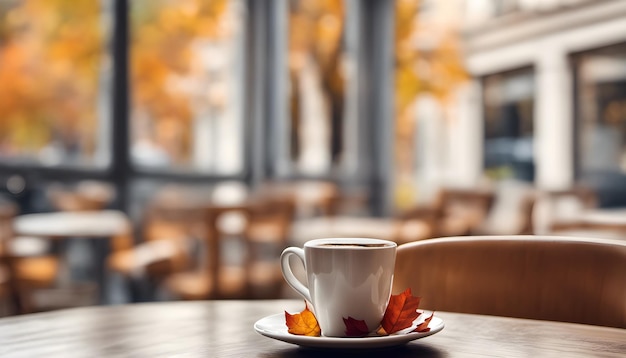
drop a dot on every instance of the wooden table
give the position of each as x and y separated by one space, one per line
97 226
225 329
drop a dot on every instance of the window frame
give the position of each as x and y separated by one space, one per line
261 107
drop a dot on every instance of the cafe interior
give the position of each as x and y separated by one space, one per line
158 151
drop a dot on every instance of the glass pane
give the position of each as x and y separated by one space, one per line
317 77
186 85
428 70
602 109
508 104
601 121
54 72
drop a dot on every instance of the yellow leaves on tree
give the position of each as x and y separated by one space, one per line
49 76
167 37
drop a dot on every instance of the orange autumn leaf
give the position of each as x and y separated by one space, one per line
303 323
401 312
423 327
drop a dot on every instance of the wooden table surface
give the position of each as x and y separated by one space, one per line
225 329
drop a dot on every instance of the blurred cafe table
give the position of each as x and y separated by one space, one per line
225 329
602 223
97 226
607 218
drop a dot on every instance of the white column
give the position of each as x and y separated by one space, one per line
429 146
465 137
553 119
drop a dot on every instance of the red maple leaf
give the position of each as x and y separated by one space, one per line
355 327
423 327
401 312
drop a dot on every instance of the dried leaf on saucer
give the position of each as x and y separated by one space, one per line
401 312
355 327
303 323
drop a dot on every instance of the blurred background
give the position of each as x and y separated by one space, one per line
163 150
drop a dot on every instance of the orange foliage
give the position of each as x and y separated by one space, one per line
51 55
303 323
427 61
164 33
401 312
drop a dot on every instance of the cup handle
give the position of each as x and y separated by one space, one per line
288 274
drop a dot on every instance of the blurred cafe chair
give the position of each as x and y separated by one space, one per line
417 223
511 212
454 212
214 276
239 266
575 212
7 289
266 235
312 197
24 265
463 210
558 210
580 280
174 230
83 196
167 230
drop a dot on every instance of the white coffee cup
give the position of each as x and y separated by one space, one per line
347 277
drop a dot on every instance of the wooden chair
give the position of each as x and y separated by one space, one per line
511 212
213 278
455 212
255 272
22 272
536 277
167 231
8 292
266 235
418 223
558 210
84 195
463 210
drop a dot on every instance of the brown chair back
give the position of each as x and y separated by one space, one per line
538 277
8 283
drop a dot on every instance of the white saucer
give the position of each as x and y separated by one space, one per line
274 327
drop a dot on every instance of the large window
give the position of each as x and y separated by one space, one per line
428 70
317 68
186 85
54 73
601 121
601 102
508 109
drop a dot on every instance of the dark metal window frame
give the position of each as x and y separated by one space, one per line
375 62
